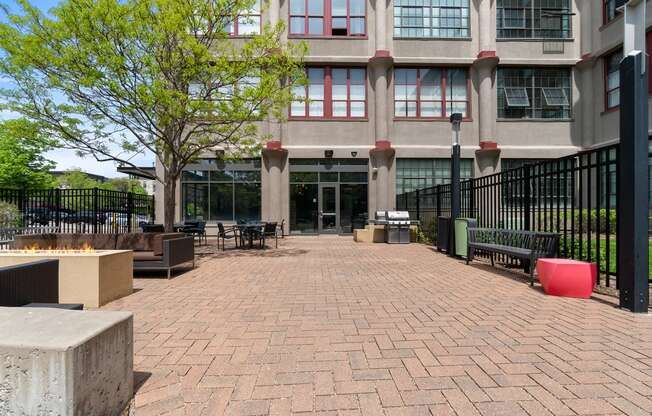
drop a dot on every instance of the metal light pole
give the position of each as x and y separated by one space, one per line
456 121
632 215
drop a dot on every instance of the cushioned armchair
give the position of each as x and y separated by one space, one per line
158 251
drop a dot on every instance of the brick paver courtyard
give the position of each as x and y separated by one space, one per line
324 325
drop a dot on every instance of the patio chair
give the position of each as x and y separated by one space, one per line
281 228
230 233
195 229
270 230
152 228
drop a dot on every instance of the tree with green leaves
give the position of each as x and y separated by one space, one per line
113 78
76 179
22 161
124 185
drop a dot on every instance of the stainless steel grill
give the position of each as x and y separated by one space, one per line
381 218
397 227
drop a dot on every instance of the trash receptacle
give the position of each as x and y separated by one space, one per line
461 235
443 233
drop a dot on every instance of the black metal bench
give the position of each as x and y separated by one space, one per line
528 246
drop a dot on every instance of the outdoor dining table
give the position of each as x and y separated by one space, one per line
249 229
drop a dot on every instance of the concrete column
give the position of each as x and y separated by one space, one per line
487 108
274 10
487 162
584 73
486 34
381 127
381 23
382 160
274 163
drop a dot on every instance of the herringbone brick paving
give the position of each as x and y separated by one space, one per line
323 325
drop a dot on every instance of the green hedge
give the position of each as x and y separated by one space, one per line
575 245
548 220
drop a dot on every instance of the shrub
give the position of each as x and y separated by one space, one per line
548 220
9 215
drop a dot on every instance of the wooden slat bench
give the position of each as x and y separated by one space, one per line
528 246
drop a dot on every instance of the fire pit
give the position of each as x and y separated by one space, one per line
88 276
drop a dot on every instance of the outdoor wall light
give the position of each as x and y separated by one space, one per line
354 154
328 154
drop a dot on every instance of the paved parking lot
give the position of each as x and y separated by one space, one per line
326 326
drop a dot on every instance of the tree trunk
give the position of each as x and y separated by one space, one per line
169 202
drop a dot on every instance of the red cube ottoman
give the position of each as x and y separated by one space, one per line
568 278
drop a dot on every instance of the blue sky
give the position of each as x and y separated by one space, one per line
67 159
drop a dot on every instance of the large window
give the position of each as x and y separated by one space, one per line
612 79
226 192
431 18
430 92
541 93
327 17
610 9
247 23
331 93
543 19
413 174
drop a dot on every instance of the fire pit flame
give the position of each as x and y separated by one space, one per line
85 248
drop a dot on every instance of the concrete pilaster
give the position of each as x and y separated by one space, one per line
486 101
487 162
486 26
382 185
273 191
381 23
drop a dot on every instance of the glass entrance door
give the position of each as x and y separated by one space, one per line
328 209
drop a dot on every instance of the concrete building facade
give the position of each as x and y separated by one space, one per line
534 79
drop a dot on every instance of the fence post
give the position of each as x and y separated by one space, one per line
526 198
130 210
633 182
471 198
57 205
438 201
418 204
95 208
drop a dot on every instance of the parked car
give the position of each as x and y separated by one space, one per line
86 217
38 216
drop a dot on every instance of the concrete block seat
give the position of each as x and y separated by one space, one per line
567 278
67 363
152 251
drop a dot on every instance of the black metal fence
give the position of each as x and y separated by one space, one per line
575 196
74 210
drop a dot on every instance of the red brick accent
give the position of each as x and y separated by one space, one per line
382 55
488 145
487 54
383 145
273 145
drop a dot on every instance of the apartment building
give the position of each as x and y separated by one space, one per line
534 79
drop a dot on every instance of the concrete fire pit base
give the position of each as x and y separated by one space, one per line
62 362
91 278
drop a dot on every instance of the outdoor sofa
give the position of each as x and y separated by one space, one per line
152 251
34 282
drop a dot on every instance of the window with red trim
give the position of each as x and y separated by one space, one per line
430 92
331 92
247 23
612 79
327 17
